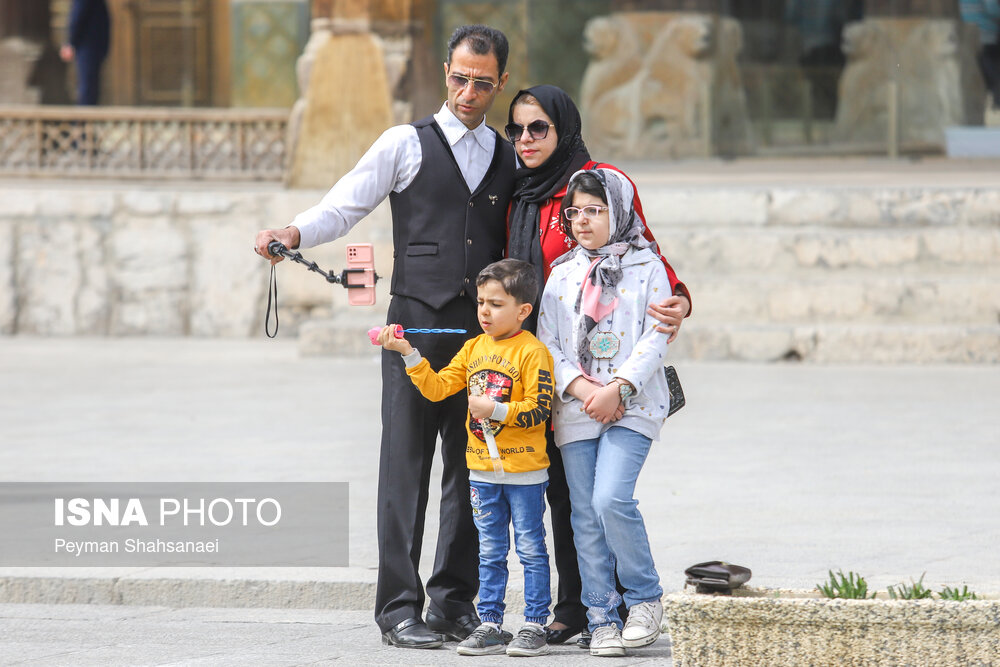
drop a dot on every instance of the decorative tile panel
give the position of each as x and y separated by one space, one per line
267 38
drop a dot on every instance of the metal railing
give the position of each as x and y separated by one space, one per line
141 142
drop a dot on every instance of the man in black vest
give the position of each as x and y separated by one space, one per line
449 178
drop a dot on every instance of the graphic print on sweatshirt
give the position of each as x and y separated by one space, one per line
498 387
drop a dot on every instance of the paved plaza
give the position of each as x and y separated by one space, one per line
790 469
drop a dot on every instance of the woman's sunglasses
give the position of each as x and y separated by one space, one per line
482 86
572 213
538 129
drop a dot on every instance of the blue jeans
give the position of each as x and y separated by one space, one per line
494 508
607 527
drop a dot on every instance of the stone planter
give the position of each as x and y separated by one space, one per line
767 627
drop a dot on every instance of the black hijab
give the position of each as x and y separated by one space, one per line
534 186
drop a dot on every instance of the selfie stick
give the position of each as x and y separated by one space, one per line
278 248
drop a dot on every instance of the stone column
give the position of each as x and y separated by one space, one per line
911 72
30 69
345 102
664 84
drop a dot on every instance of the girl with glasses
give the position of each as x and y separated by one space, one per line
610 399
544 126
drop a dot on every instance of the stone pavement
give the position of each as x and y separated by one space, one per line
102 636
789 469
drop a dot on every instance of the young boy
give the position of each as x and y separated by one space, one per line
509 376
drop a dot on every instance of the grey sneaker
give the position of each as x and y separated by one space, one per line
484 640
643 625
530 641
607 641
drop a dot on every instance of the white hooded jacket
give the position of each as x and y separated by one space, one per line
640 356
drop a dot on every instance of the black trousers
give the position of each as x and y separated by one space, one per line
569 609
88 76
410 427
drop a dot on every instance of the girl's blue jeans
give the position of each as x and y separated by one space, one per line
607 528
494 508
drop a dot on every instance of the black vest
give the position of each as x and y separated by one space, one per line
443 234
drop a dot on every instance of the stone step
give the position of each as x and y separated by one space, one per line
858 207
863 297
836 343
784 249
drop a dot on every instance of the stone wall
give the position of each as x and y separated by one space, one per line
823 274
835 274
146 260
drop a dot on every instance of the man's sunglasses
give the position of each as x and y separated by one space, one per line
459 82
538 129
572 213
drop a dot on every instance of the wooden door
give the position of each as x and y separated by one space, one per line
172 52
169 52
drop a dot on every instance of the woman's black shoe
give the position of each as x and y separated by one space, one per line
561 636
584 640
412 633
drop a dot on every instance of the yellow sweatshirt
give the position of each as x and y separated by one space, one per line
516 371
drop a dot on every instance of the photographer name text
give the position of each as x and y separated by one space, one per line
136 546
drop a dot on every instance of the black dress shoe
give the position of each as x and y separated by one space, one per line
584 640
454 630
412 633
561 636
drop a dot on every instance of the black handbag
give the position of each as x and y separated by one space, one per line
674 387
717 576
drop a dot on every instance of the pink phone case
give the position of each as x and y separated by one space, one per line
361 256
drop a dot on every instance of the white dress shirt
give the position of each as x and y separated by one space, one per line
390 165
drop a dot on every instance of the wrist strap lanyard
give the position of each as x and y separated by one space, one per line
272 288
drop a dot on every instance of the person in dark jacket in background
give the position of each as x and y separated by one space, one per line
89 39
985 14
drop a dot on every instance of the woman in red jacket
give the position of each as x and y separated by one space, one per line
544 126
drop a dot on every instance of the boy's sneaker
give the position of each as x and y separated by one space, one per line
643 625
484 640
530 641
607 641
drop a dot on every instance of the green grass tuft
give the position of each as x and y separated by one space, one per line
849 587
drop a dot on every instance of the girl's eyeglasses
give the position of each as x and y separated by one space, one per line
572 213
483 86
538 129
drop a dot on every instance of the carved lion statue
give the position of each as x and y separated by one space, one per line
657 82
607 89
863 98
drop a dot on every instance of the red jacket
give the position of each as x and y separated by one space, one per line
555 242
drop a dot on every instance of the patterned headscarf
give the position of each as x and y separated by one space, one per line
598 293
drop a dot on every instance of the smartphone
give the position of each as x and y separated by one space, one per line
361 284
